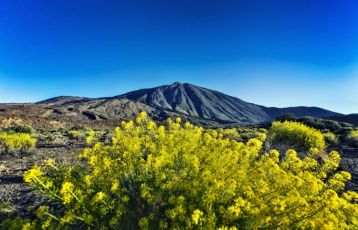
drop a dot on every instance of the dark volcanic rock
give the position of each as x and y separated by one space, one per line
199 102
195 101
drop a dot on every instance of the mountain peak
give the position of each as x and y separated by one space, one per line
178 99
195 101
177 83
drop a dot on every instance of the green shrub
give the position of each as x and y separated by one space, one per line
15 125
296 135
79 127
345 131
88 136
77 135
249 133
262 130
22 129
55 138
230 133
345 124
321 124
17 142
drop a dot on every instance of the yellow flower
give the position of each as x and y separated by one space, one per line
27 226
142 117
48 184
151 125
66 187
46 224
99 197
115 186
197 214
32 174
107 163
50 162
178 120
261 136
88 180
67 192
96 171
93 160
144 223
68 218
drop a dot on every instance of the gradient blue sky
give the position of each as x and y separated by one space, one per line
269 52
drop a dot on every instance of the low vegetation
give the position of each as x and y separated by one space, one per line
324 124
330 138
7 123
352 138
181 176
16 142
337 134
296 135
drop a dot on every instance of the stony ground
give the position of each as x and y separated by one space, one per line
12 167
349 162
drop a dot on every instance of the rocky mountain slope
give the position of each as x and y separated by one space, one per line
195 101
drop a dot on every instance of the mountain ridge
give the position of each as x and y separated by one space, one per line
195 103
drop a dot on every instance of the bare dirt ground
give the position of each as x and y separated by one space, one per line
12 167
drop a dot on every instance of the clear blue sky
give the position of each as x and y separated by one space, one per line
269 52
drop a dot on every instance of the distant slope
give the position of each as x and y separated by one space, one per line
300 111
350 118
196 104
60 100
96 109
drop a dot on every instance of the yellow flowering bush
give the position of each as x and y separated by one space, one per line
353 133
77 134
352 138
16 142
297 135
181 176
330 138
89 136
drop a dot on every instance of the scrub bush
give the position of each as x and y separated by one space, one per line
352 138
296 135
77 135
16 142
6 123
22 129
330 138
